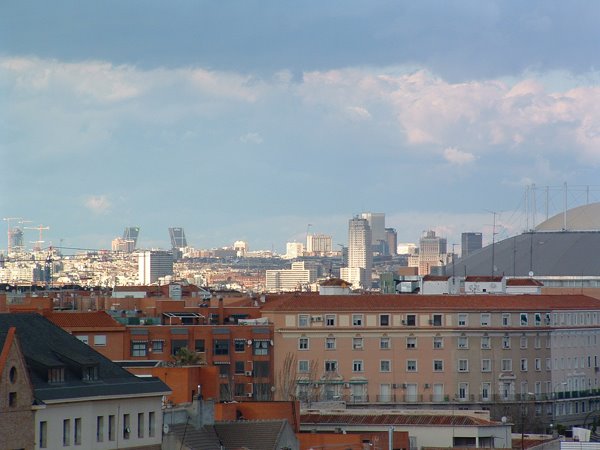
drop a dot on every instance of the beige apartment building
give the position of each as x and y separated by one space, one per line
510 354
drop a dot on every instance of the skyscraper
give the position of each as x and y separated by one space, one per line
470 242
391 237
318 243
154 264
432 252
15 237
377 224
131 234
360 254
178 239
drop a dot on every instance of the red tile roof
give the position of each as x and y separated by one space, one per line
393 419
483 279
71 320
490 302
523 282
436 277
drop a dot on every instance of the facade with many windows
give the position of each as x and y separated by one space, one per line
496 352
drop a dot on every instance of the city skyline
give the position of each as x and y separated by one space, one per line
250 120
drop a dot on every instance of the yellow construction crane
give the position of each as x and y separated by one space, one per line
40 241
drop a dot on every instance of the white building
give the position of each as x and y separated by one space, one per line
360 254
432 252
295 279
294 249
318 244
241 247
154 264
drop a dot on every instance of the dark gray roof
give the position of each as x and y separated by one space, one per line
253 435
565 253
46 346
204 438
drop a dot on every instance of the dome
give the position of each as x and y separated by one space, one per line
581 218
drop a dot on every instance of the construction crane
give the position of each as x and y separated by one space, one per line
8 220
40 241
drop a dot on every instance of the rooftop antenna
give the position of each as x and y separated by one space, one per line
565 212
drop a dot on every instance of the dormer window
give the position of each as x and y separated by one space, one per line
90 373
56 375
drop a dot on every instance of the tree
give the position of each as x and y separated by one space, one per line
186 357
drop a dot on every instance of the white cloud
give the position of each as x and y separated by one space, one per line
358 113
98 204
455 156
251 138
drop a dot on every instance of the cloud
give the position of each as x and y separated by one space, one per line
358 113
455 156
98 204
251 138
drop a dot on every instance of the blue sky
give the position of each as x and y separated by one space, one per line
251 119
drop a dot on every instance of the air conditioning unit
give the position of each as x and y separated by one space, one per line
317 318
250 394
430 322
248 373
346 385
403 385
403 322
426 385
395 386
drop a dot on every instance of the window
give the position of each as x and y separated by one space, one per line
66 432
43 442
357 365
330 366
303 343
506 342
303 320
221 347
523 365
239 367
100 340
462 319
140 425
385 365
538 364
463 391
485 391
411 365
486 343
330 320
260 347
111 428
357 320
523 342
357 343
330 343
12 399
56 375
463 365
537 342
438 342
437 320
239 345
90 373
538 319
486 365
485 319
505 319
506 365
411 342
524 319
158 346
303 366
77 434
83 339
239 389
411 320
151 424
177 344
438 365
384 343
138 348
384 320
223 370
463 342
126 426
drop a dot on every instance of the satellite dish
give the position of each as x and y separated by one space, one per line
530 273
165 428
249 341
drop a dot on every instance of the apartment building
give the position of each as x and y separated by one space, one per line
469 351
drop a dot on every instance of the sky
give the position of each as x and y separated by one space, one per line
253 119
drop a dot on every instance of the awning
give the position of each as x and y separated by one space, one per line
139 342
158 340
262 340
217 363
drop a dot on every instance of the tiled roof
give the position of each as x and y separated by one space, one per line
99 319
45 345
251 434
436 277
393 419
204 438
412 303
335 282
523 282
483 279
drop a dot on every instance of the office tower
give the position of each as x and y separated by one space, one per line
360 254
432 252
178 239
377 225
391 237
15 238
131 234
122 245
154 264
294 250
241 248
318 243
298 278
470 242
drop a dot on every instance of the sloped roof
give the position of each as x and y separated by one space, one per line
581 218
567 253
45 346
98 320
367 419
251 434
412 303
523 282
204 438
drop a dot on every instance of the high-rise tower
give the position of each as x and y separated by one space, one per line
360 254
470 242
131 234
178 239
